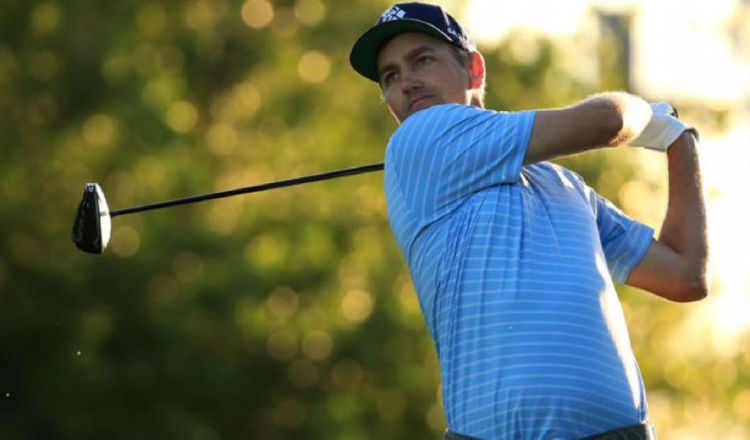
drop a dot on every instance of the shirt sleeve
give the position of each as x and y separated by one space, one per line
447 153
624 240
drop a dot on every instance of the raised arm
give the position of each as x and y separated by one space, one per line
604 120
674 267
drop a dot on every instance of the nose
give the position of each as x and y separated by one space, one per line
410 81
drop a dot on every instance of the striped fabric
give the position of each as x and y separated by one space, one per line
514 268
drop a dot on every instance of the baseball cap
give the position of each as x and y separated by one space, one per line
406 17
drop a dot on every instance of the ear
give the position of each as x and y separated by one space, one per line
476 70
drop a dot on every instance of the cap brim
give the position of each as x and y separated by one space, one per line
364 54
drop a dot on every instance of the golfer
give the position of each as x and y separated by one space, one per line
514 259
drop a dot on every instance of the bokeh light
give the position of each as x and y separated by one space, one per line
222 139
356 306
309 12
314 67
182 117
317 345
202 15
125 241
46 18
267 251
99 130
257 13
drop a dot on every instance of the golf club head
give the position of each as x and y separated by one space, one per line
93 225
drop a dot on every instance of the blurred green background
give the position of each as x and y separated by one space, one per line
287 314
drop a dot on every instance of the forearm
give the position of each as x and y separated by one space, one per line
604 120
684 226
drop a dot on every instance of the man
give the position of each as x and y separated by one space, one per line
514 258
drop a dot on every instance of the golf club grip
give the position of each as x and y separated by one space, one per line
250 189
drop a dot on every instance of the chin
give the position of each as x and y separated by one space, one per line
420 106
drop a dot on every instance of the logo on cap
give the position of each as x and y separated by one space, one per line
401 18
392 13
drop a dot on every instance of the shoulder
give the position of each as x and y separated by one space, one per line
426 126
445 120
438 115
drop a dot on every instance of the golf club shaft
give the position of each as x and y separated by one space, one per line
251 189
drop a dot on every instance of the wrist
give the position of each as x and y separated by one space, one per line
686 143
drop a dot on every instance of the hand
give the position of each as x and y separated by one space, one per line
663 128
665 108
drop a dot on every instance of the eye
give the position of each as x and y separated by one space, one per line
388 77
424 59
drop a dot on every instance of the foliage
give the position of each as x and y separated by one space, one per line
278 315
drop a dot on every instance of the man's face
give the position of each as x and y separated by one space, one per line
417 71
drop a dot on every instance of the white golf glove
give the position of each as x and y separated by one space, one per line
663 128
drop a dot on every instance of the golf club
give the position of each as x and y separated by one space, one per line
93 225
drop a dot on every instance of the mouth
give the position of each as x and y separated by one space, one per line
420 102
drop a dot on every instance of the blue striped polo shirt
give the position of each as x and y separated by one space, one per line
514 268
